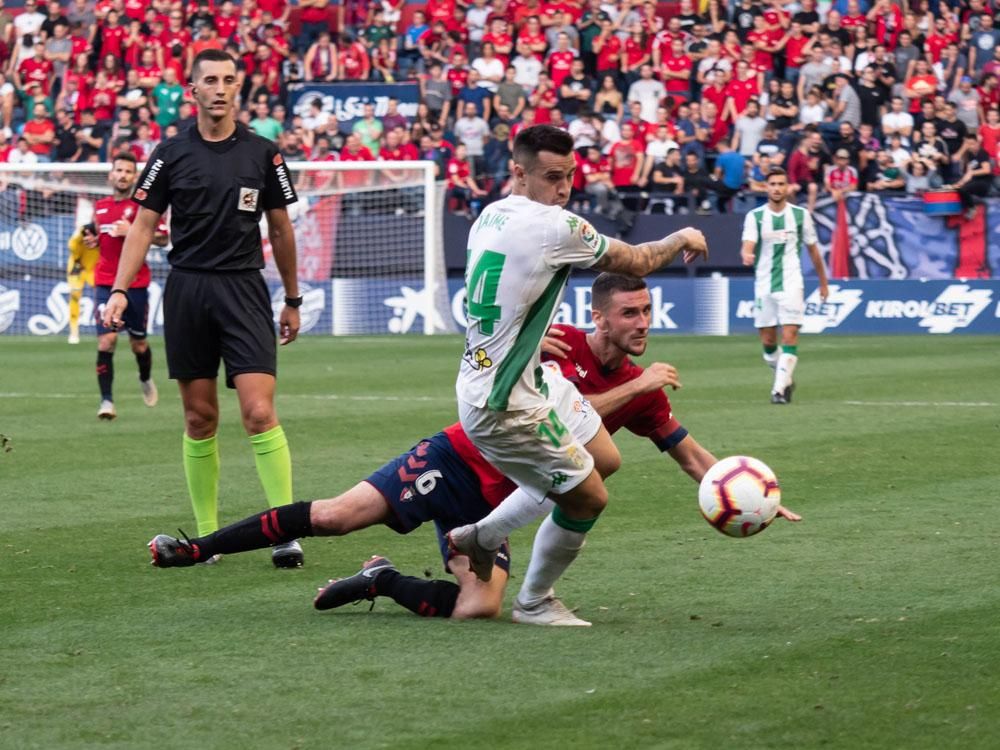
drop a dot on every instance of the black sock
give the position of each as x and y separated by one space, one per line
145 362
273 526
425 598
105 373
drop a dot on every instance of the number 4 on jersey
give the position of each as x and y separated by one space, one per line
483 284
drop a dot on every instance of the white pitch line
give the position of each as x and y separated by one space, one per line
922 403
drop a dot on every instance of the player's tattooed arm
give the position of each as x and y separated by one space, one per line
642 260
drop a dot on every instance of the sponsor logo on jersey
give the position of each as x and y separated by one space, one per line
820 315
151 175
276 161
590 236
140 194
580 371
478 359
313 304
248 199
957 306
29 242
284 182
10 303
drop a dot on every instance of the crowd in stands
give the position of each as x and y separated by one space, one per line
673 106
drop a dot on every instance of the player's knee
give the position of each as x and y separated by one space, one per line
200 422
258 417
327 520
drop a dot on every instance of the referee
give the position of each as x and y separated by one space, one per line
217 177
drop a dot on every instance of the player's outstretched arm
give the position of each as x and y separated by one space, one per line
137 242
642 260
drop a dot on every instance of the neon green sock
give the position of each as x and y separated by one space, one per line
274 465
770 348
792 349
201 468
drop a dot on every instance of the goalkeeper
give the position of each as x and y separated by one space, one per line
83 255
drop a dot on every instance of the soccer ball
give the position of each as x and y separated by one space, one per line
739 496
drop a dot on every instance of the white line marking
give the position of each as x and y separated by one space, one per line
313 396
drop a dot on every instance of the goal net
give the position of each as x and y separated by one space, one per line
369 239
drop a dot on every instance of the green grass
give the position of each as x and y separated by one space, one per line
872 624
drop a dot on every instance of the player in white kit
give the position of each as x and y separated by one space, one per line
773 236
521 252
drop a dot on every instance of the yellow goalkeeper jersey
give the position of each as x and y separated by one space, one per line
82 259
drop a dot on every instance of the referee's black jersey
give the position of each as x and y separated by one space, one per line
217 192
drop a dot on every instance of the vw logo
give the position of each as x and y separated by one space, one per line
29 242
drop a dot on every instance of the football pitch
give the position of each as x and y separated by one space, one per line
871 624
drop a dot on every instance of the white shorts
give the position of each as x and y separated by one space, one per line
779 308
541 449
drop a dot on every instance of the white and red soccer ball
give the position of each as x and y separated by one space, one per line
739 496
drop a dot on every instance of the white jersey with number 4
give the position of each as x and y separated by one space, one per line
778 239
520 256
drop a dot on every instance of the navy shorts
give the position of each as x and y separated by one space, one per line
136 314
430 482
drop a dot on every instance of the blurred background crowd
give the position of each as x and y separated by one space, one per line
673 106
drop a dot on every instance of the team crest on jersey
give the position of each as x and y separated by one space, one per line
248 199
140 194
128 212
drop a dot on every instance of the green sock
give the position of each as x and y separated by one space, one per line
770 348
274 465
570 524
790 349
201 468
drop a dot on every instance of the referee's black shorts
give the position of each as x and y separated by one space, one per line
212 316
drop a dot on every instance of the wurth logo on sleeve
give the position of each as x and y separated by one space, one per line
154 170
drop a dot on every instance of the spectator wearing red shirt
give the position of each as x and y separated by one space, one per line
675 72
354 151
113 35
765 43
635 53
560 60
226 20
461 188
797 46
279 10
36 69
439 10
989 95
842 178
533 35
544 99
989 132
175 33
717 92
938 39
135 9
644 131
804 167
314 18
150 74
626 159
853 18
739 92
353 59
607 47
888 22
503 42
40 132
663 40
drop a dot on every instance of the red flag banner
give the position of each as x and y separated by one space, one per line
840 247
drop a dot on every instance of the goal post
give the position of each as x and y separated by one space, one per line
368 234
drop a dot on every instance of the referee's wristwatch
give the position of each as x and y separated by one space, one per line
294 302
